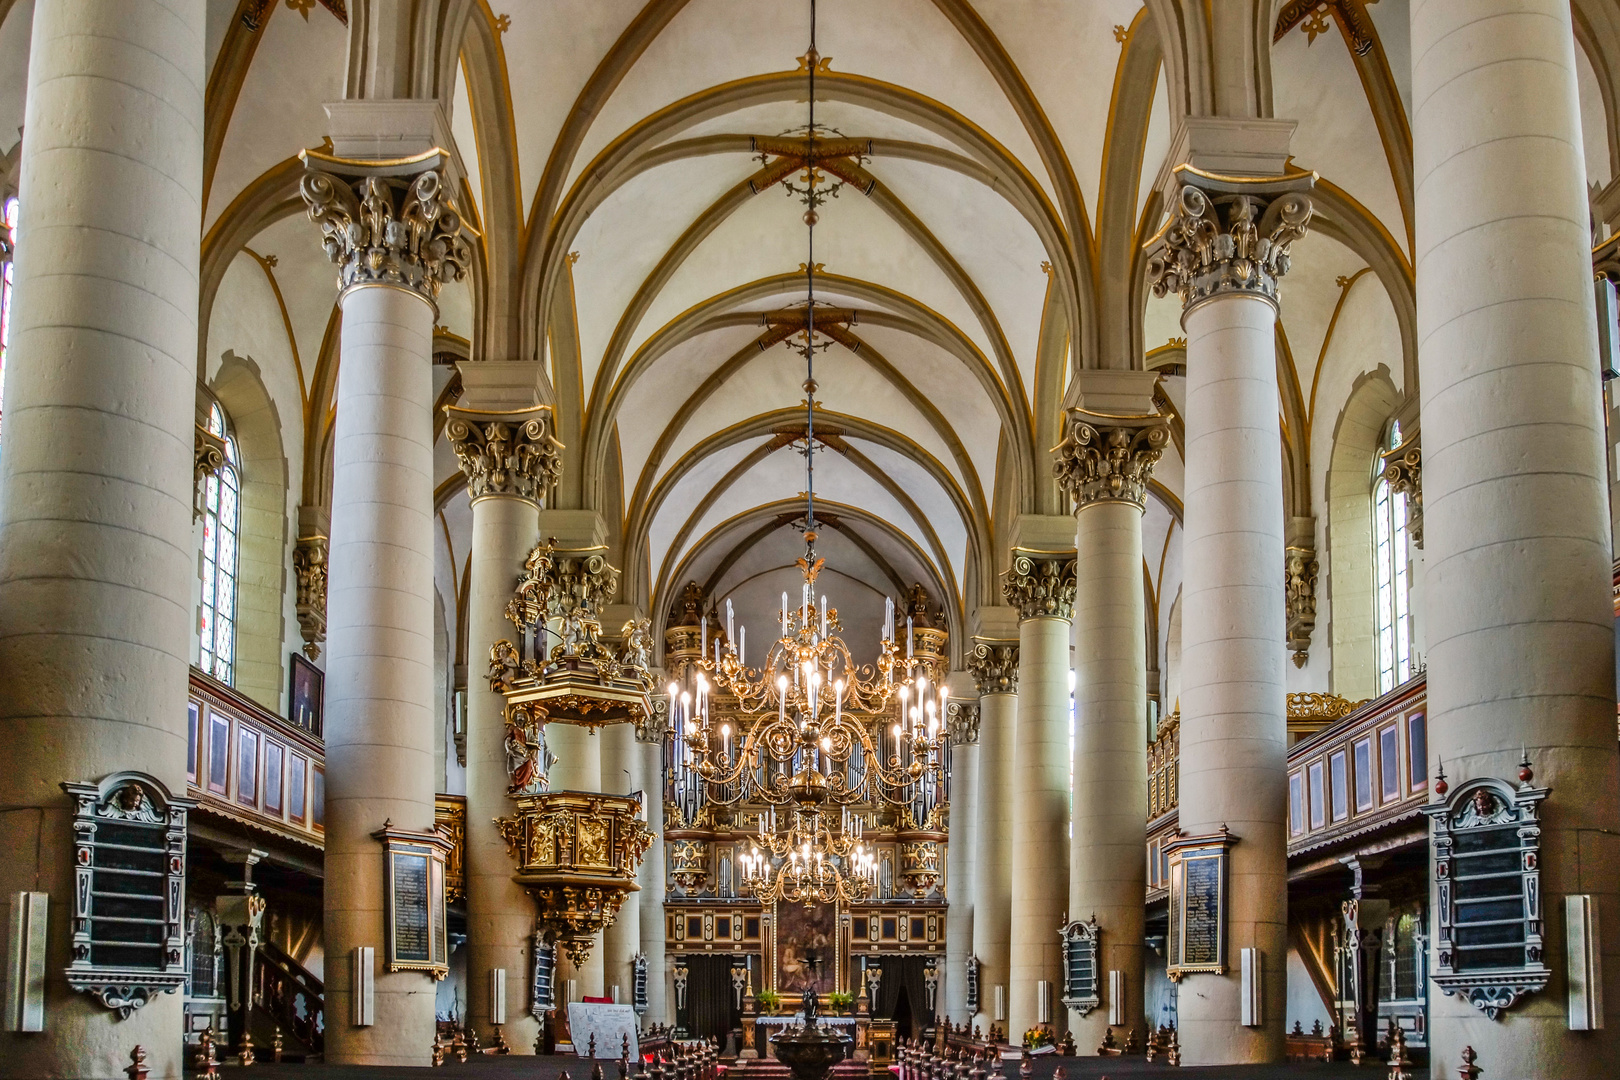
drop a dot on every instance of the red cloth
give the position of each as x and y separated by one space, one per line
597 1000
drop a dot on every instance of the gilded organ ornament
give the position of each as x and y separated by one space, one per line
1228 236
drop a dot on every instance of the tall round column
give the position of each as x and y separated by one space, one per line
1224 248
962 732
994 667
380 729
96 556
1517 550
504 456
650 875
1041 587
1105 463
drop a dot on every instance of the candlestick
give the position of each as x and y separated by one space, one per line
908 637
784 613
729 632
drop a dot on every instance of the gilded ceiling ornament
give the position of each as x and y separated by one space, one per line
1040 584
512 454
309 567
1312 17
1228 236
1109 458
384 230
994 667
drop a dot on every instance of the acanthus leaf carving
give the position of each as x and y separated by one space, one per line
384 230
1109 458
994 667
1040 584
507 454
1228 236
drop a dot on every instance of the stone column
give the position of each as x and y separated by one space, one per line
1223 250
1517 573
96 556
994 667
650 875
962 731
395 239
1040 586
1105 463
503 440
621 941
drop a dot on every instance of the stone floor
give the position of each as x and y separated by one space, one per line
550 1068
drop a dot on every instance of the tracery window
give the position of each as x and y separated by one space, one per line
9 241
221 521
1392 580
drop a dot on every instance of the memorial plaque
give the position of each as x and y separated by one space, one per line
1080 984
1198 871
541 997
415 905
410 915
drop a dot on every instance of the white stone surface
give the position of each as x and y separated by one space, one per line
992 848
1040 862
379 673
96 557
1234 725
1107 871
959 878
1520 626
500 915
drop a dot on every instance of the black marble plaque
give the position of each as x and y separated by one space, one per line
412 929
1201 933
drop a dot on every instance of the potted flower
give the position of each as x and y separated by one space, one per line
839 1002
768 1000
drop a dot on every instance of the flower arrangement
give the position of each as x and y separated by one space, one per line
768 1000
839 1001
1038 1036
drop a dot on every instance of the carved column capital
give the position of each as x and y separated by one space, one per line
382 225
309 566
505 454
1300 572
962 723
1228 235
1040 584
1108 458
563 583
994 667
208 457
1403 469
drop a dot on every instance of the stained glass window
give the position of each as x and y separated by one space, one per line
1391 580
221 519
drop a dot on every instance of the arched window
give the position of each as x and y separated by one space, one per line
1392 598
221 521
9 241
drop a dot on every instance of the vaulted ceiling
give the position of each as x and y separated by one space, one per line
622 159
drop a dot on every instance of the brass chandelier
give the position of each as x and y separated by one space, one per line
802 745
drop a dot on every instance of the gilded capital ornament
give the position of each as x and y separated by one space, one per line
1403 469
1228 236
383 229
994 668
1108 458
1040 584
309 566
507 454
